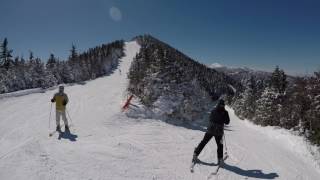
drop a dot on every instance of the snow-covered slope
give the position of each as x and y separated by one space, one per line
105 144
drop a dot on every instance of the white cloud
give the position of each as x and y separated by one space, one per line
115 14
215 65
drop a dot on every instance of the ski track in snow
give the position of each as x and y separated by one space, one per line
110 145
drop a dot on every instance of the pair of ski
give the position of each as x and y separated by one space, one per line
59 131
54 132
214 172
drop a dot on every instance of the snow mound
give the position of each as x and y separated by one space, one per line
22 93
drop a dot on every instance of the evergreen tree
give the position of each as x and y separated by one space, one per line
22 61
66 76
250 97
51 63
5 55
74 54
267 112
295 106
313 114
31 57
278 80
16 61
52 67
245 103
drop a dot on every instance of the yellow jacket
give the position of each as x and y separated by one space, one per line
60 99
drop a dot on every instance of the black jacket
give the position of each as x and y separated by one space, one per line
218 118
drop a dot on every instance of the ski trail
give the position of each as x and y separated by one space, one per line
264 156
109 145
26 117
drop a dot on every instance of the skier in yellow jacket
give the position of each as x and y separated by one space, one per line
61 100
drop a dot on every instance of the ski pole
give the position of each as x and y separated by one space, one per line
225 142
69 117
50 115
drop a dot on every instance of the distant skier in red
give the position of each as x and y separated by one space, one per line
219 116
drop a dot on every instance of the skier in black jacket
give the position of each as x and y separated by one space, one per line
218 117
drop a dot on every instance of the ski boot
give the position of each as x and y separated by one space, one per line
66 128
58 128
194 158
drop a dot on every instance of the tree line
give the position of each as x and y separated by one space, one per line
20 73
276 102
264 99
157 62
172 85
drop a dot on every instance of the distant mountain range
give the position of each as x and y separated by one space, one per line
240 73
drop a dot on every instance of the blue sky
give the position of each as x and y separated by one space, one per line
254 33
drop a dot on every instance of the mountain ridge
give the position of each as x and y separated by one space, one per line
160 73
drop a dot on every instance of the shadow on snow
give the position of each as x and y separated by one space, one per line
253 173
67 135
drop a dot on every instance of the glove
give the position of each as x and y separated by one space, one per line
52 100
64 102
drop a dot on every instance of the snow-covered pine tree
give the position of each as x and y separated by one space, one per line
268 108
52 67
74 65
295 106
31 57
249 98
5 55
313 114
278 80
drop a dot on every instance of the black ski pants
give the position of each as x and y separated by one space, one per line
205 140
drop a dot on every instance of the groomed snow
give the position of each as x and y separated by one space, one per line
105 144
